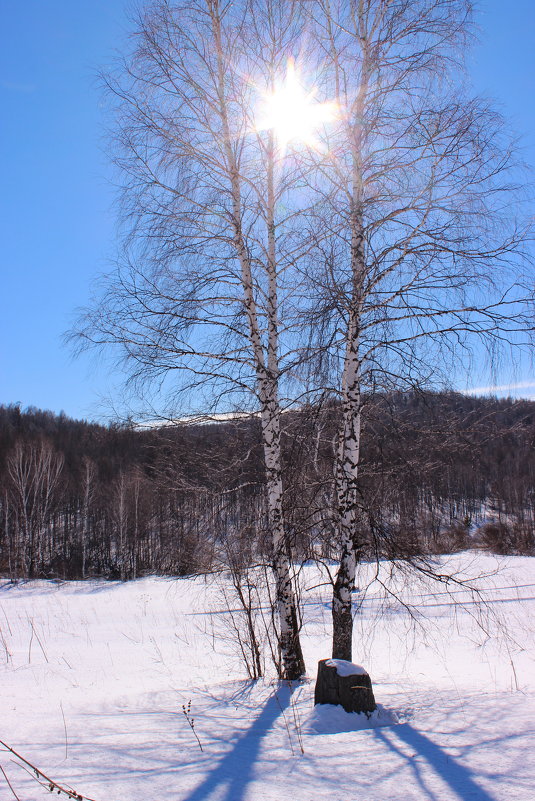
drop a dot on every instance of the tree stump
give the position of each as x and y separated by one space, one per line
345 684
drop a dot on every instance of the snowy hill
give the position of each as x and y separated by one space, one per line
94 677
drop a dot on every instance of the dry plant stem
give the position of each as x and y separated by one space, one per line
297 724
43 779
514 674
286 724
9 783
38 640
186 712
243 621
65 727
4 646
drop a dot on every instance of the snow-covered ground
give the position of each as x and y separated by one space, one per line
94 675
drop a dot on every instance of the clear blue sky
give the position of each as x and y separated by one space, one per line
56 222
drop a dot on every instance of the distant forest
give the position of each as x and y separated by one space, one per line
441 471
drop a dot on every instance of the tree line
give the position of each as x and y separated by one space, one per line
440 472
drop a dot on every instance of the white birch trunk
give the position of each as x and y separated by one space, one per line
267 371
348 457
88 482
347 500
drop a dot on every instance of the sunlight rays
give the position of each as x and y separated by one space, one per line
293 113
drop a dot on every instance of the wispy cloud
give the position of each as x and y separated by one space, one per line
493 389
13 86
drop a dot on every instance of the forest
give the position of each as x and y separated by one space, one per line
440 472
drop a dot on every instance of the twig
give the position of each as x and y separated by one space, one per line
30 646
64 726
38 640
514 674
7 621
9 783
297 724
285 723
38 775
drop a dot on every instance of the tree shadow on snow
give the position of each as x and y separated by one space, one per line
235 770
456 776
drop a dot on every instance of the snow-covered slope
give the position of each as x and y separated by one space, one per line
93 678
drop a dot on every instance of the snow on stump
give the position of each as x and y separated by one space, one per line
345 684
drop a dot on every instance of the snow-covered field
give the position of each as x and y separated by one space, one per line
94 675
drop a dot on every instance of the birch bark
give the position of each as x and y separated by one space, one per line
266 361
348 456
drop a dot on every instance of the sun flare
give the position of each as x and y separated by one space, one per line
293 113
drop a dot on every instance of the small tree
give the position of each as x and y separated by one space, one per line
34 471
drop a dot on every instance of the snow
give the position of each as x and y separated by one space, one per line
93 677
345 668
329 719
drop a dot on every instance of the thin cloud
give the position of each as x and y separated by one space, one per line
494 388
13 86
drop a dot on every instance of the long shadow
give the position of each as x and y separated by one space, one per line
236 768
459 778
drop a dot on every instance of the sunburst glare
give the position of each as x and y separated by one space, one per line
293 113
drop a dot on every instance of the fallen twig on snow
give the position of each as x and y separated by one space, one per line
42 778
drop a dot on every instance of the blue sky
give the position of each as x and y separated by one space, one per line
57 222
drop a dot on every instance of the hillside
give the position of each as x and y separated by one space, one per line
438 472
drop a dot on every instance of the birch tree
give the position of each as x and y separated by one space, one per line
425 251
204 298
88 487
386 241
34 471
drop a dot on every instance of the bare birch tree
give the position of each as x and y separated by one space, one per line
88 485
425 252
196 303
390 242
34 471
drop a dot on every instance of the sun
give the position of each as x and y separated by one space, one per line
293 113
